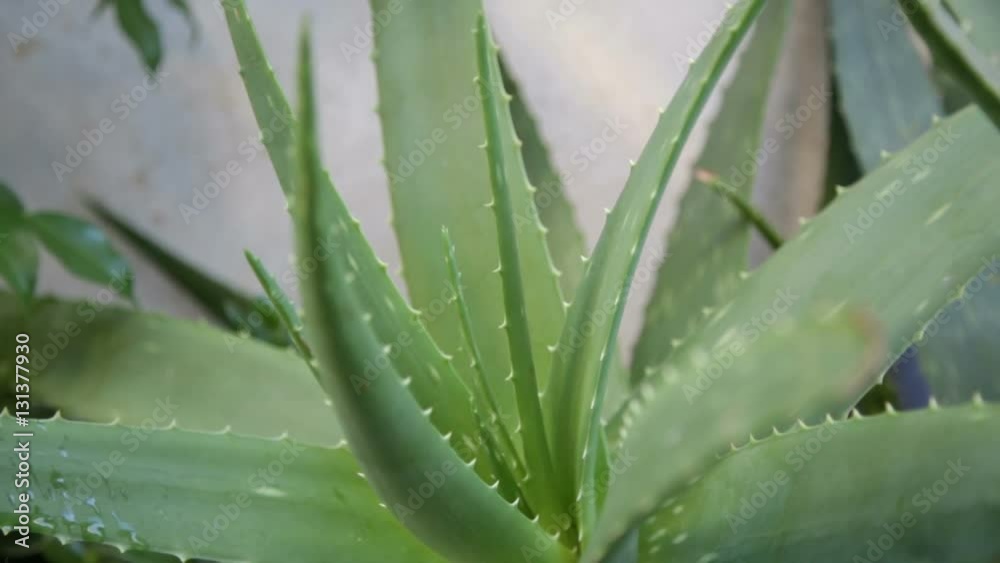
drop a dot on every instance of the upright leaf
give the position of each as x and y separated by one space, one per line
884 91
201 495
397 325
432 126
83 249
953 50
708 246
389 431
835 492
835 264
585 351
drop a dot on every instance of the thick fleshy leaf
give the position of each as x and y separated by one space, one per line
432 126
837 262
835 492
83 249
396 324
953 50
585 352
506 176
103 362
229 306
220 496
819 362
885 93
400 450
708 246
283 307
980 20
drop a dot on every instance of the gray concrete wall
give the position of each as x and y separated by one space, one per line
607 60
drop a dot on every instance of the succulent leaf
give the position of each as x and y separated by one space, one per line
821 362
205 495
388 429
586 347
432 126
229 306
283 307
835 492
980 20
102 362
708 246
953 50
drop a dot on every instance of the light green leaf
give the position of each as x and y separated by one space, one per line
838 261
579 376
835 493
83 249
953 50
506 177
980 20
432 126
817 362
396 324
884 91
222 496
103 362
708 246
388 429
283 306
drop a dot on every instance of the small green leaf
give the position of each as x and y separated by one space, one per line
202 495
283 306
230 307
389 431
11 208
83 249
140 29
953 50
836 492
19 262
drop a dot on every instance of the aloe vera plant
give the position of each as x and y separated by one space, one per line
466 424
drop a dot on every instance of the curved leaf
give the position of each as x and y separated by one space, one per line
223 497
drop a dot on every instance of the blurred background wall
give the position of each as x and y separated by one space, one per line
172 134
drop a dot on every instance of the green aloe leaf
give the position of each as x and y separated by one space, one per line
204 495
83 249
980 20
585 352
507 176
102 362
708 246
953 50
401 452
397 325
432 126
835 492
884 91
229 306
820 362
283 307
853 236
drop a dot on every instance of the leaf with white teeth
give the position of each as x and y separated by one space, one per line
206 495
829 493
401 452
